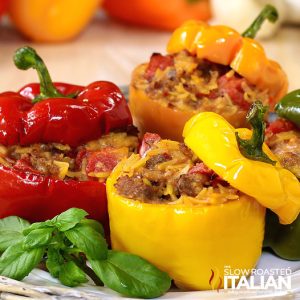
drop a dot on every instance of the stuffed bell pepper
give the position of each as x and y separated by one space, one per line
192 208
207 68
283 138
59 142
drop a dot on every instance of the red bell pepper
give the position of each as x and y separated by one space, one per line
61 113
36 197
55 113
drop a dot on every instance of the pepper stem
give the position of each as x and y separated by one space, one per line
252 148
26 58
269 12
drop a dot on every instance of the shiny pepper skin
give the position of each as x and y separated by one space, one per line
224 45
189 243
273 186
100 107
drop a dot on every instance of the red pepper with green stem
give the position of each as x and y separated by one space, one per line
55 113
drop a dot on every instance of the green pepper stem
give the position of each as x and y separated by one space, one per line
269 12
26 58
252 148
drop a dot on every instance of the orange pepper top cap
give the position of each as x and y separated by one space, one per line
223 45
214 43
252 63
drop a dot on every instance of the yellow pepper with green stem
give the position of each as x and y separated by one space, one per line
193 243
214 140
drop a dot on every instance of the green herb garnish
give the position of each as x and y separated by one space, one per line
67 243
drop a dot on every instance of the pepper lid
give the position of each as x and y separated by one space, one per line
215 142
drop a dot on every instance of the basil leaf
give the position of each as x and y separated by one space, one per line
69 218
9 238
88 240
131 275
38 225
13 223
54 261
94 224
37 238
17 263
71 275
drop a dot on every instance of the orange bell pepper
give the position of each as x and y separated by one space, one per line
223 45
151 116
155 117
218 44
167 14
51 20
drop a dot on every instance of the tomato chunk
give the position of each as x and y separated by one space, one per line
232 86
280 125
104 160
158 61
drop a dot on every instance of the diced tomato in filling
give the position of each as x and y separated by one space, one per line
60 161
158 61
148 141
280 125
25 166
104 160
79 158
201 168
232 86
213 95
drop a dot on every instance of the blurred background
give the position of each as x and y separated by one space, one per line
87 40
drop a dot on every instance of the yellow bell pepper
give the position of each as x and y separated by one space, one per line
51 20
192 244
273 186
224 45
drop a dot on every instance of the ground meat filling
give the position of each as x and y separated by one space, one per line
135 188
191 184
286 146
169 172
188 83
157 159
91 161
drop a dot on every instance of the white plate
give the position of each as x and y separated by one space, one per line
267 261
